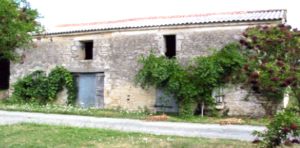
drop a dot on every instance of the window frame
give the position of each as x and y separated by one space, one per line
219 95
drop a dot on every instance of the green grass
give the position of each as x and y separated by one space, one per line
197 119
34 135
117 113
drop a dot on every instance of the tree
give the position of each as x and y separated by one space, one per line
273 60
17 24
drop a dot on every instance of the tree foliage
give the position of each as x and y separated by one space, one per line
283 129
17 24
273 60
216 70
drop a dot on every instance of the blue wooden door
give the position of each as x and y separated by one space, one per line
89 94
165 103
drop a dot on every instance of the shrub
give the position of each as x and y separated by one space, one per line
32 88
283 129
273 53
37 87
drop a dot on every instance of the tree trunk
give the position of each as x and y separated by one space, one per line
202 109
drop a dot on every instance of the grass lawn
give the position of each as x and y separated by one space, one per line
34 135
117 113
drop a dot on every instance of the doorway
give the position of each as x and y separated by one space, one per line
90 90
4 73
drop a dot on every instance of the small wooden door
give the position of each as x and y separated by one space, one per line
90 90
165 103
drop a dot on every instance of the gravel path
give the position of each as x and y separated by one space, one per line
239 132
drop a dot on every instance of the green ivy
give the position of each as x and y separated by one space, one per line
32 88
58 78
191 84
37 87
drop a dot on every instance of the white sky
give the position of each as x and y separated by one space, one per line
56 12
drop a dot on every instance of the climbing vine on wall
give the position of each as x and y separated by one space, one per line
59 78
194 83
37 87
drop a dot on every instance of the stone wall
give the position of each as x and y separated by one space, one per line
239 102
116 54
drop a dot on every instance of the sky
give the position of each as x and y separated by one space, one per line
55 12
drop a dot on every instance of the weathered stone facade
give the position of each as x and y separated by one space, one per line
240 102
116 53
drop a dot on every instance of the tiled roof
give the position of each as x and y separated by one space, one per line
238 16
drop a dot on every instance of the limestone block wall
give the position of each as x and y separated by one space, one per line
116 54
238 102
203 41
43 57
125 50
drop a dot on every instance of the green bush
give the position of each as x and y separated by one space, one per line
283 129
37 87
32 88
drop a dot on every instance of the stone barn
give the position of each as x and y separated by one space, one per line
103 56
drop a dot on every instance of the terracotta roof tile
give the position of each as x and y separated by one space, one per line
238 16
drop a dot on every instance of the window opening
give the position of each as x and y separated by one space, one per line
88 49
218 94
170 44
